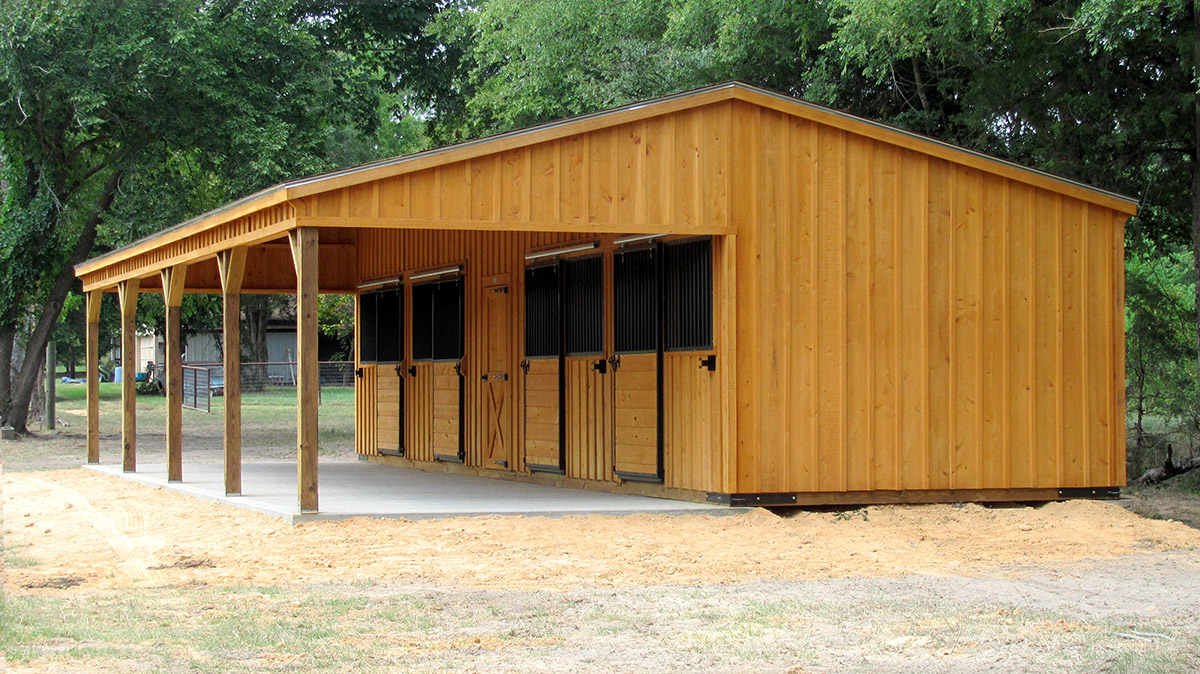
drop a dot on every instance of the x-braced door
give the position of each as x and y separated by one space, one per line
497 386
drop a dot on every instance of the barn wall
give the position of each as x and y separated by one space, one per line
665 173
694 452
948 329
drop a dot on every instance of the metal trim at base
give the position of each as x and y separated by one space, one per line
542 468
736 500
1090 492
880 497
637 477
448 458
390 452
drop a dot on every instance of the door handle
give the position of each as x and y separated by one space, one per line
600 366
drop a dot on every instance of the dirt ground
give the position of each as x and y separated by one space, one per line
109 532
199 586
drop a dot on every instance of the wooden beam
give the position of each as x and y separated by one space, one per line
304 255
173 279
92 375
127 293
708 228
231 265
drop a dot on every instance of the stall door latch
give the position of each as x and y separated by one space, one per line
600 366
709 363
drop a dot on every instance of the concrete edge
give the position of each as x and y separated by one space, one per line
303 518
294 518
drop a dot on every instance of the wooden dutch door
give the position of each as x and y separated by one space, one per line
381 349
434 389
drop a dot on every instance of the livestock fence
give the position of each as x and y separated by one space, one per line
201 381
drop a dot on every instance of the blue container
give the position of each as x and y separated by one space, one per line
117 373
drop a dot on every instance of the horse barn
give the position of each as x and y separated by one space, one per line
725 295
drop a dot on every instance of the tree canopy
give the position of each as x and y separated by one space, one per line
119 117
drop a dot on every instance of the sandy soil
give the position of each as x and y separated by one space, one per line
94 531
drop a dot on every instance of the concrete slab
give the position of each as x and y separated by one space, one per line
373 490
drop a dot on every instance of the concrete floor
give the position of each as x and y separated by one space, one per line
372 490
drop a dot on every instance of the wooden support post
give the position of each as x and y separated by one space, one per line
304 254
92 375
127 292
172 283
232 264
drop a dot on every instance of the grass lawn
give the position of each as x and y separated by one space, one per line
268 429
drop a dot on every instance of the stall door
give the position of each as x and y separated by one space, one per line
498 381
381 342
588 391
637 319
542 369
690 384
434 388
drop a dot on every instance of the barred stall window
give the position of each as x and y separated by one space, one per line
448 320
636 301
688 279
543 312
367 309
437 323
422 322
389 337
585 305
380 337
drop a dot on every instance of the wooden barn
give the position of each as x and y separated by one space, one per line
726 295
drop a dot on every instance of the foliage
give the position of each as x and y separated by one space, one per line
148 388
1160 335
335 318
120 117
522 63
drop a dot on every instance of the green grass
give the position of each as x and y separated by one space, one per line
268 428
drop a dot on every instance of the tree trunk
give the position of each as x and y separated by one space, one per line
22 390
7 335
37 399
1169 469
257 312
1196 169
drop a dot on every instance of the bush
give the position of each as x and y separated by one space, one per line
148 388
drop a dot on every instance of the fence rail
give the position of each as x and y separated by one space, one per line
261 376
197 388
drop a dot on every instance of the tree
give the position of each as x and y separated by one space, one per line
119 117
335 319
521 62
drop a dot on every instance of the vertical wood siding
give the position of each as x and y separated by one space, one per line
936 327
